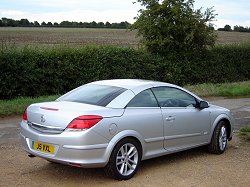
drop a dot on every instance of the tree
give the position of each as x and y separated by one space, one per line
4 21
56 24
100 24
12 23
65 24
211 26
49 24
174 26
241 29
43 24
123 25
107 24
114 25
93 24
227 28
36 24
24 22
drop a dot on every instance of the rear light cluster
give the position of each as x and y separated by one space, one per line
84 122
25 116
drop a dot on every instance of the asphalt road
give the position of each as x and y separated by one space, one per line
240 109
189 168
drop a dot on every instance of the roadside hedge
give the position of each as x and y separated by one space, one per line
33 71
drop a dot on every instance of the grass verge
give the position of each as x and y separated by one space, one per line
245 133
17 106
238 89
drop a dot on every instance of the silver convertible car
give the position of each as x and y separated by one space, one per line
117 123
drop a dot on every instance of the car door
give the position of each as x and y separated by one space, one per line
143 115
185 125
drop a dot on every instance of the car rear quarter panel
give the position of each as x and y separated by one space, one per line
144 124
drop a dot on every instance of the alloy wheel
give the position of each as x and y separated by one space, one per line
223 138
127 159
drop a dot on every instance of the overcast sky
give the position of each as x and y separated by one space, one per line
232 12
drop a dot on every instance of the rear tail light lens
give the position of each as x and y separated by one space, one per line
25 116
84 122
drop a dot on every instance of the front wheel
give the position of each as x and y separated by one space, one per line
124 160
219 139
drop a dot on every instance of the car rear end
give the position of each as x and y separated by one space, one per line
64 132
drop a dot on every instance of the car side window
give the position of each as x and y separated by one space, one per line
173 97
144 99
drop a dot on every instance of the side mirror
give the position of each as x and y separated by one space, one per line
203 104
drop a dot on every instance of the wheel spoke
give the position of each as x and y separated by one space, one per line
130 150
125 169
131 167
119 163
119 157
126 149
122 151
122 168
132 161
133 153
221 144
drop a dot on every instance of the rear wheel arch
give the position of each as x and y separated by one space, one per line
113 169
129 137
135 139
123 135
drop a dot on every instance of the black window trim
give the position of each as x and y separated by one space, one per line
106 100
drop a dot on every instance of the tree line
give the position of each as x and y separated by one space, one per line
235 28
7 22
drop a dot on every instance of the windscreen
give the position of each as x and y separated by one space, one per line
100 95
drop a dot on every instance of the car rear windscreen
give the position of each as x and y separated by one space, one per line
100 95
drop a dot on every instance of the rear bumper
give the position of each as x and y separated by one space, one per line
71 148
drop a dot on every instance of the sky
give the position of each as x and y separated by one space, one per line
232 12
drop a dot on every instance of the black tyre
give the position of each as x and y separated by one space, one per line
124 160
219 139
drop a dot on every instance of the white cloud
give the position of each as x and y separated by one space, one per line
71 10
58 3
83 5
10 13
229 11
76 15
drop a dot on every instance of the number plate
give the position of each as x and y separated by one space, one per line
46 148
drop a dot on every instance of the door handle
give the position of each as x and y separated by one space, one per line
170 118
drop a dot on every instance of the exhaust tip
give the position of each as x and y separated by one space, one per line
31 156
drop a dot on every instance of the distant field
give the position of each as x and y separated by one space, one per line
232 37
69 36
82 36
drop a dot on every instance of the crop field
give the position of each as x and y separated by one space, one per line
232 37
67 36
21 36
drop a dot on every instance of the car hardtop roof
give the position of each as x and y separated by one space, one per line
130 83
